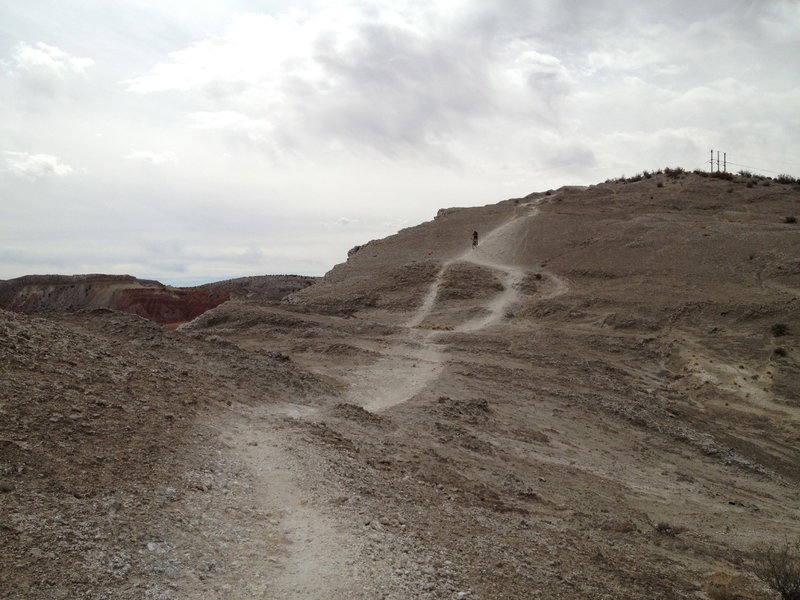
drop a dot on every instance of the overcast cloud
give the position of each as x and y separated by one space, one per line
189 142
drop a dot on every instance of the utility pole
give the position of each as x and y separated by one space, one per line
711 163
717 161
725 161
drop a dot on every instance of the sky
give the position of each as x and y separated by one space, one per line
191 141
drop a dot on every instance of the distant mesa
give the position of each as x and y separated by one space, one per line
162 304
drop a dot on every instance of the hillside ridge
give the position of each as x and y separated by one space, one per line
597 401
152 300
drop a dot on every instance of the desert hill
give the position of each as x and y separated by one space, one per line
599 401
152 300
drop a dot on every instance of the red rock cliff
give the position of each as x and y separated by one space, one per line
149 299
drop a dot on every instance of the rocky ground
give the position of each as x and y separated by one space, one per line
597 402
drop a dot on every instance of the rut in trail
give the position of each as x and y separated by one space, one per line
409 367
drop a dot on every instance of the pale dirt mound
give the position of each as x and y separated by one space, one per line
597 402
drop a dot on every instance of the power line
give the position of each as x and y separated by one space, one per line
727 162
792 163
755 168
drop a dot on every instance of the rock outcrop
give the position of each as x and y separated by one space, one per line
162 304
149 299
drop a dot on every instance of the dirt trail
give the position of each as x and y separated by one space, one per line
318 556
410 366
415 362
497 252
293 548
493 253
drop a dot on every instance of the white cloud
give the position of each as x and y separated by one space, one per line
251 49
236 127
34 166
45 68
242 122
155 158
353 78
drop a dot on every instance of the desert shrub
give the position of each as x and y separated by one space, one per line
766 183
783 178
724 586
744 173
779 568
779 329
722 175
660 184
674 173
750 184
647 174
790 219
665 529
779 351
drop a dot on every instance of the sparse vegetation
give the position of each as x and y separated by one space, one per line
722 175
779 329
723 586
435 326
780 351
783 178
791 219
674 173
744 173
665 528
779 568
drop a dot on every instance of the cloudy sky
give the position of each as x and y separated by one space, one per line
194 141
